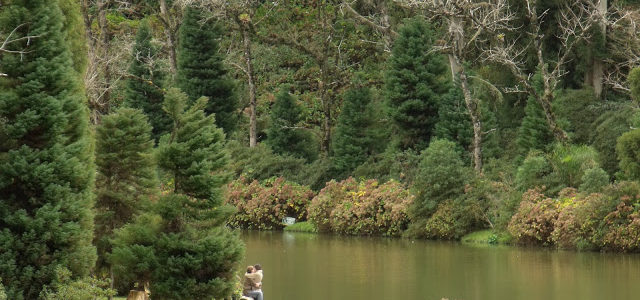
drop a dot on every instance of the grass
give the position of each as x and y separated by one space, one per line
487 236
302 227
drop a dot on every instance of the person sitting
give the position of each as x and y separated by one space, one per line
252 284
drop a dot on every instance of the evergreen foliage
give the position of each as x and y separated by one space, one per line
126 180
354 138
201 71
415 82
46 168
284 135
143 88
575 110
634 84
534 133
628 149
441 176
454 123
594 180
181 246
606 130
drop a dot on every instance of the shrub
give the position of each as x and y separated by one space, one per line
606 130
260 163
361 208
441 175
391 164
575 110
628 150
533 221
533 171
448 222
3 295
622 225
65 288
594 180
577 220
263 206
565 166
570 162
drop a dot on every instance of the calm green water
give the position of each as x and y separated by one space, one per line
327 267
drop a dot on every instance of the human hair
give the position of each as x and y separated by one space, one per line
249 269
258 267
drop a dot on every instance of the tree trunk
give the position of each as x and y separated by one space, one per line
598 64
545 101
111 284
473 108
325 99
169 31
105 96
455 29
246 39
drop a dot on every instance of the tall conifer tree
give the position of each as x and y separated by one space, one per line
354 138
534 132
182 247
283 135
415 82
126 180
144 87
46 168
201 71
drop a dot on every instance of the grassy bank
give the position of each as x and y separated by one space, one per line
302 227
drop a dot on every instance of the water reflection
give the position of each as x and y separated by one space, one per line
309 266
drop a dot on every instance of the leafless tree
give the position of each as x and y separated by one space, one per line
379 21
623 46
470 26
575 21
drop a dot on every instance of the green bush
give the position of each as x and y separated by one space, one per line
628 150
575 111
441 175
263 206
260 163
606 130
564 166
64 288
398 165
533 172
361 208
3 295
594 180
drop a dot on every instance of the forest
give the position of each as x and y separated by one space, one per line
137 137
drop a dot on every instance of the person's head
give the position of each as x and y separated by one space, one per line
250 269
257 267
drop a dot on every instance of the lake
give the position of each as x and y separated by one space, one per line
324 267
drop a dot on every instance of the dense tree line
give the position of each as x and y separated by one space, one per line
122 121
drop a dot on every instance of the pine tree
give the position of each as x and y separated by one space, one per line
46 167
182 247
200 69
126 179
144 87
454 123
415 82
283 134
354 139
534 132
